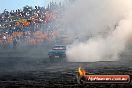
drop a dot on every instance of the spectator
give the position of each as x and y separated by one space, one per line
26 25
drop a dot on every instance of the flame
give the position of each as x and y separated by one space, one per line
81 71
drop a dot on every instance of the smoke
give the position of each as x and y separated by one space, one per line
94 17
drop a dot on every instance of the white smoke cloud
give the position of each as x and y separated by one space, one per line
101 49
87 17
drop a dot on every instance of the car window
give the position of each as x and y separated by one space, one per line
59 48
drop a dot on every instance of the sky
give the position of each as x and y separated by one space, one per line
15 4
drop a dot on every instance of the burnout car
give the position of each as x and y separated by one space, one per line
57 51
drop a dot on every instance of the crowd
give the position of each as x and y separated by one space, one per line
30 26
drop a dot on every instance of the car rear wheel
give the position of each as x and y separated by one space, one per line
51 58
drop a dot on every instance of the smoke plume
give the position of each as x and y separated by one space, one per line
105 25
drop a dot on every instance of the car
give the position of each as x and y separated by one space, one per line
57 51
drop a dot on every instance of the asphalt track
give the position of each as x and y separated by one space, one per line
28 68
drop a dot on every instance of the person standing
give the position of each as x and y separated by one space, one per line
4 41
14 43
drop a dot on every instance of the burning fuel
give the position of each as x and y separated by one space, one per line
81 71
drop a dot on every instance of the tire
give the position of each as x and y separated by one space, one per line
51 58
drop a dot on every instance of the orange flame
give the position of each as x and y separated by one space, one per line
81 71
